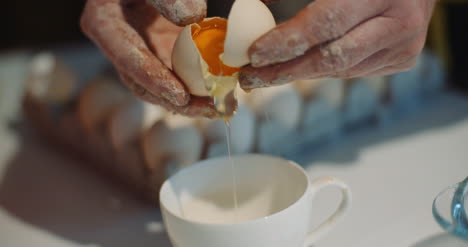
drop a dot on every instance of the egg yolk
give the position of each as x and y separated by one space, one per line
209 36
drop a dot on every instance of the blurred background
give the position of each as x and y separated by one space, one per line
62 111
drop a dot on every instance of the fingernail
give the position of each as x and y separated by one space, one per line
138 90
248 81
174 99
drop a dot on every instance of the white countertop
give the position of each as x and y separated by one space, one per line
47 199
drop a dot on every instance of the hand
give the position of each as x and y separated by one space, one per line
139 41
342 39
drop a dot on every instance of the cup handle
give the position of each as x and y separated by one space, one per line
344 206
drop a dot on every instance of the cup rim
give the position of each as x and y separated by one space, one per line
293 164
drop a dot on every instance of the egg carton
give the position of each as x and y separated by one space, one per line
140 145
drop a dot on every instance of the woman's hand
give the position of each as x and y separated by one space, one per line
139 42
340 38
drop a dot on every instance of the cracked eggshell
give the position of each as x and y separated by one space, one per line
248 20
132 119
188 63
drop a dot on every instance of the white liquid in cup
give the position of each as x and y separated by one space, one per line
274 204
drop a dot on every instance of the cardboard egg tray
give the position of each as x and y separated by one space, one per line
140 145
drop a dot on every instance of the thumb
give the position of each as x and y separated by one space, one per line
181 12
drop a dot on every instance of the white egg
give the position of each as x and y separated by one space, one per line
176 140
248 20
98 100
130 120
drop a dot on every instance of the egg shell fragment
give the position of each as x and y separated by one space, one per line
248 20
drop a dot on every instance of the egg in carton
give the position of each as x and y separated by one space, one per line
322 114
135 140
405 89
433 73
50 80
98 100
75 116
363 100
51 90
171 144
127 125
52 94
242 127
278 111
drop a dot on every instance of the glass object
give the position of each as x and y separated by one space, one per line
450 209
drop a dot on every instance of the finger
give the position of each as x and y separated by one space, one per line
379 61
197 107
104 22
319 22
375 62
400 56
388 70
181 12
340 55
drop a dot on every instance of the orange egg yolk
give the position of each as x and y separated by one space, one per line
209 36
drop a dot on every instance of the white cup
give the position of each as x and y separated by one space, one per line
274 204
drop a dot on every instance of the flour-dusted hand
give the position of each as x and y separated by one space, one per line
340 38
139 41
181 12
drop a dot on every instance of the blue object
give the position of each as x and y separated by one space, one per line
434 74
321 122
406 89
361 104
457 197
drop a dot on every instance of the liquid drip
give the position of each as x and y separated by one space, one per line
233 170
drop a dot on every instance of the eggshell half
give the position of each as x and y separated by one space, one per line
186 62
247 21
